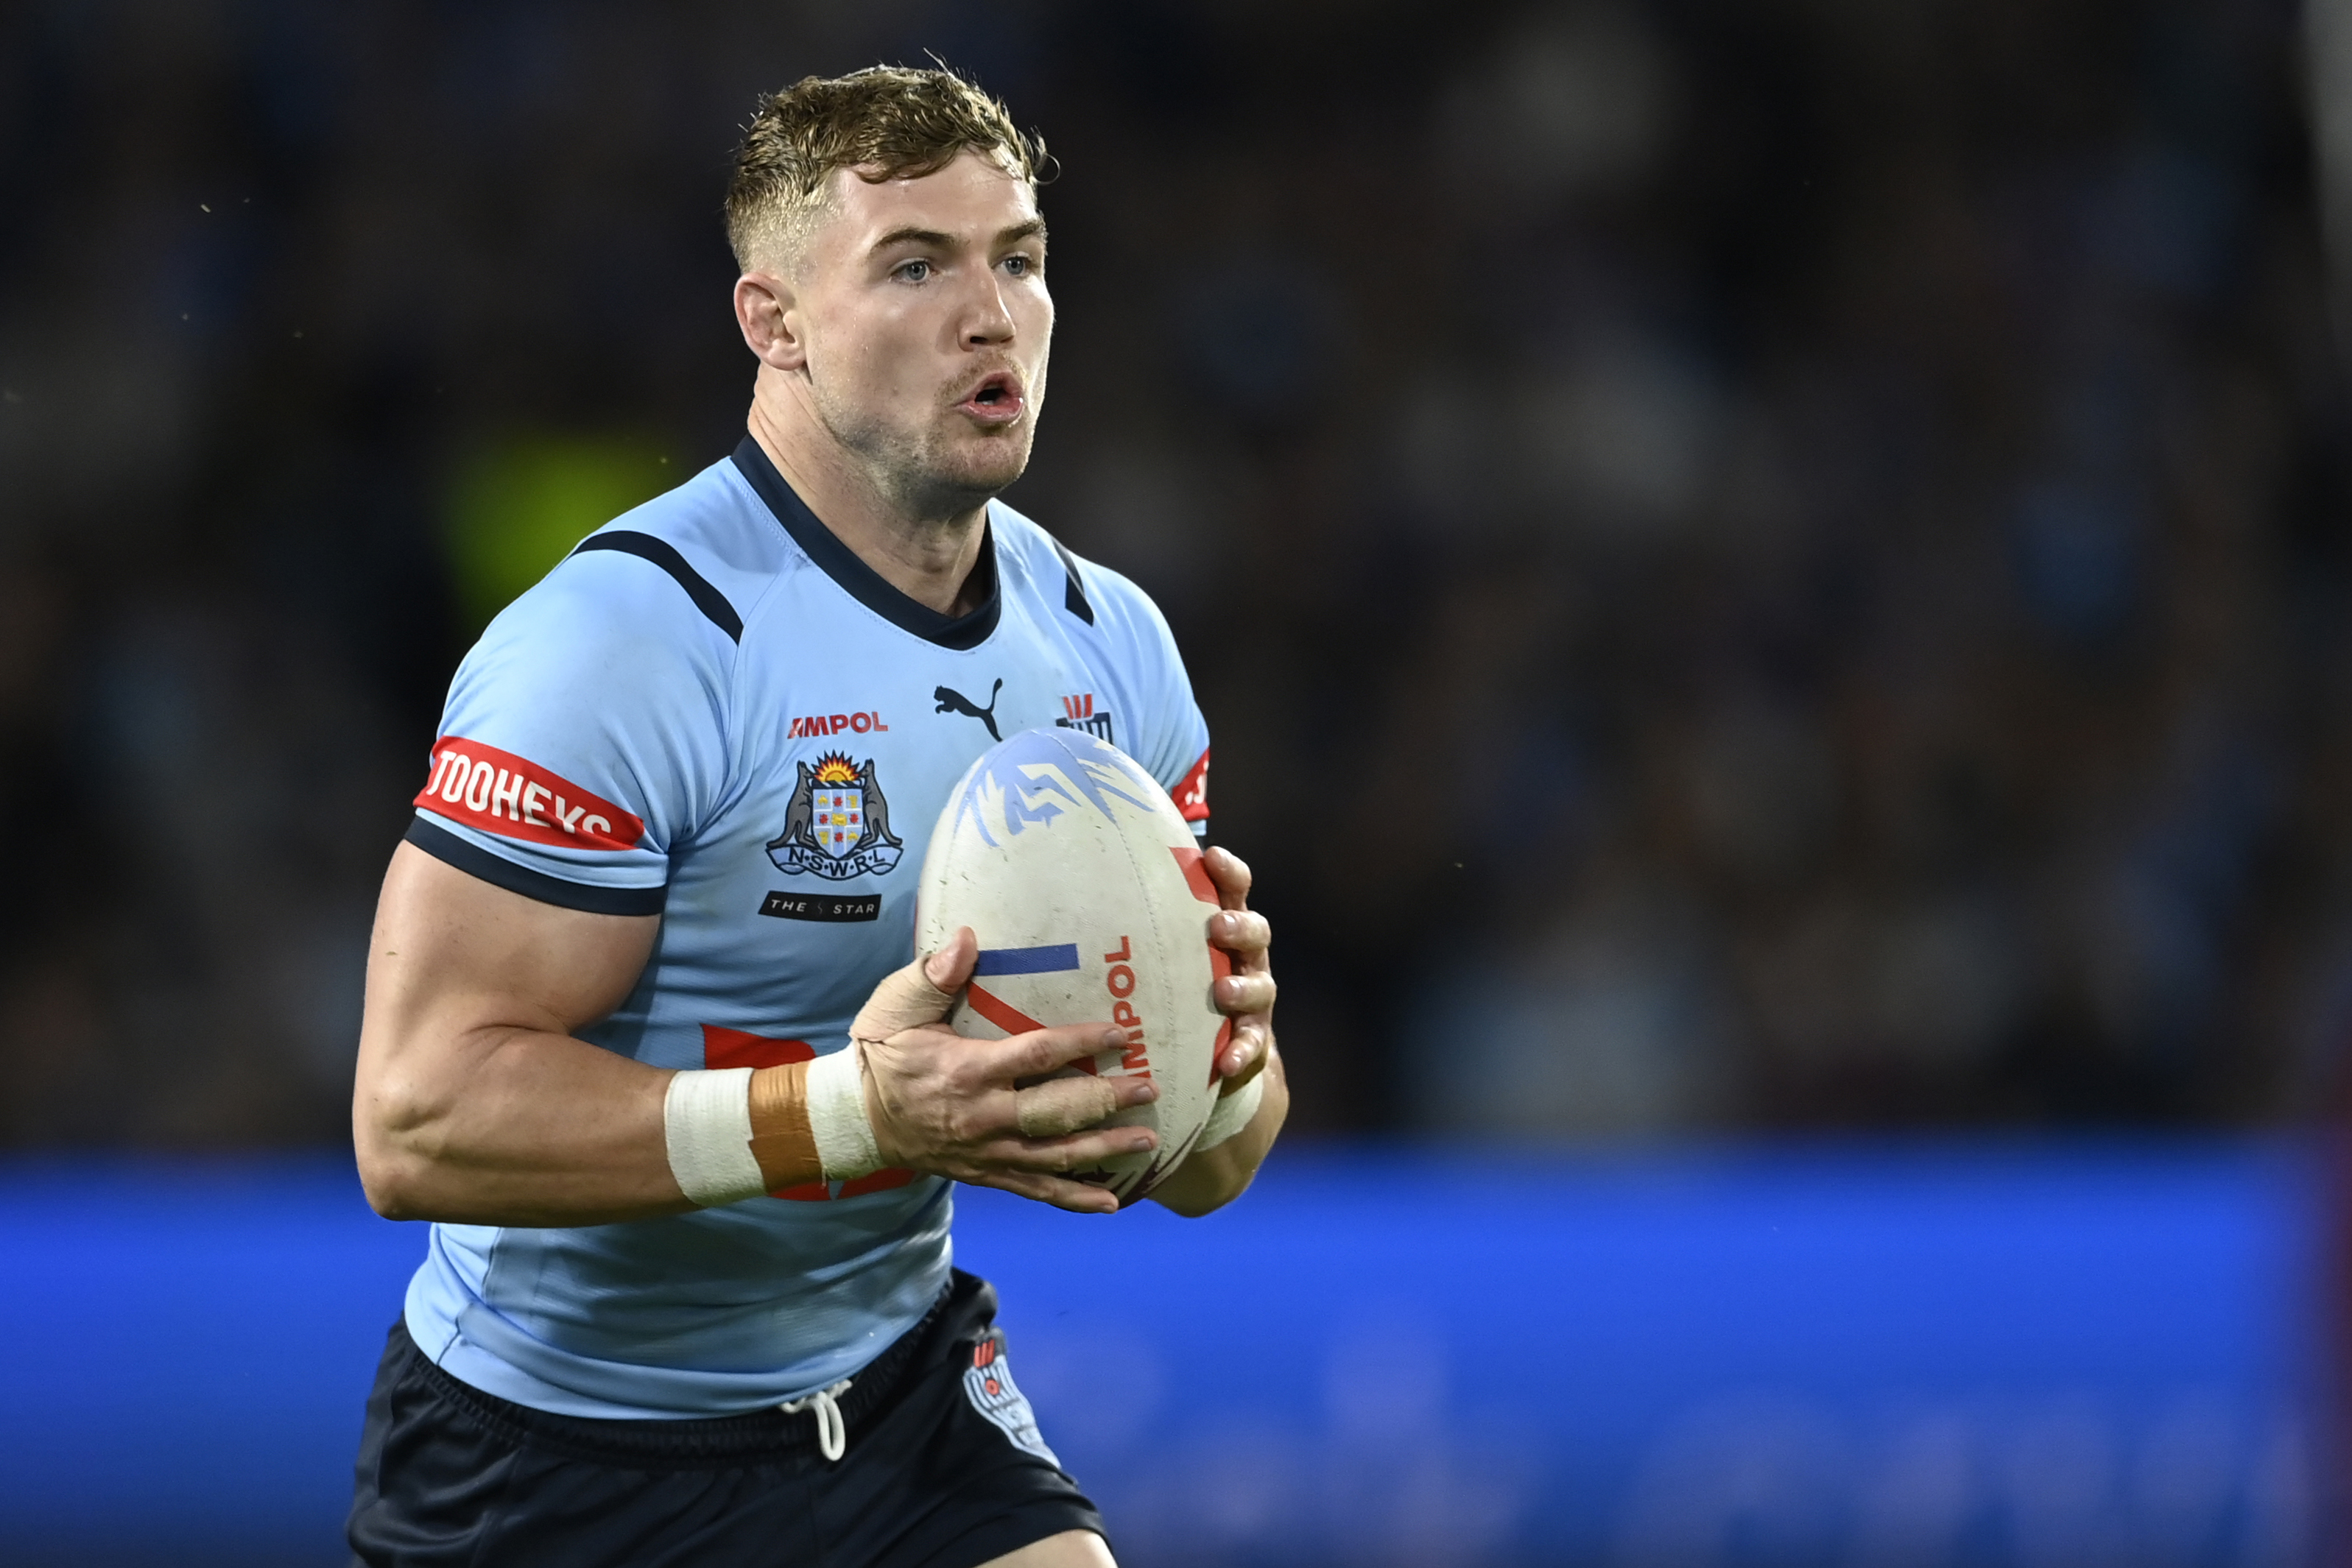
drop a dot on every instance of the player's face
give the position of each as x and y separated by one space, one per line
926 321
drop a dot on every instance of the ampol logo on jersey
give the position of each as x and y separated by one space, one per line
499 792
818 725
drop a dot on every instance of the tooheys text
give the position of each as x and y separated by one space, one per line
499 792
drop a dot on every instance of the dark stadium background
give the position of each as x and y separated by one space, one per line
1769 577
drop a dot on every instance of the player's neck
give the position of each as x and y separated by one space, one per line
928 558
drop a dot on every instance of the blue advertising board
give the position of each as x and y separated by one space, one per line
1884 1355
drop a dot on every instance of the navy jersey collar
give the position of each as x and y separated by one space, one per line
861 581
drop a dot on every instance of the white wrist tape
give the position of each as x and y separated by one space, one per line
1232 1113
707 1122
837 1112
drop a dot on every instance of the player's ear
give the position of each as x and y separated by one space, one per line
767 310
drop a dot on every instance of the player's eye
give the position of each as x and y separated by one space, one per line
914 271
1019 266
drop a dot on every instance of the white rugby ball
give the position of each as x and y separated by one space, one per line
1085 889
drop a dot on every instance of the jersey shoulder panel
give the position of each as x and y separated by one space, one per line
653 600
1172 739
712 536
608 685
1037 563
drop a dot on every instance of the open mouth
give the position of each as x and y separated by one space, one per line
996 399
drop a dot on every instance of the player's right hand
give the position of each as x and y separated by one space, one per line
949 1106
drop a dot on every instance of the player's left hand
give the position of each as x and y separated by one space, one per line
1245 996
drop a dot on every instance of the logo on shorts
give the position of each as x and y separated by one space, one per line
1081 713
837 823
989 1383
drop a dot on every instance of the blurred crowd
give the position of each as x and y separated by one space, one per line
1752 563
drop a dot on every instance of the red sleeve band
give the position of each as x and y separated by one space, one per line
499 792
1192 793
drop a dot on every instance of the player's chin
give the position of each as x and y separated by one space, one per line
988 460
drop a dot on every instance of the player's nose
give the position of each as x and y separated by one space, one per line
989 320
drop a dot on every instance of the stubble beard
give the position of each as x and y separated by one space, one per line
919 469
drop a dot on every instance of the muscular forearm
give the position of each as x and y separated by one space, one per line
1214 1177
549 1130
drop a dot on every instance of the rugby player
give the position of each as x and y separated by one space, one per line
641 1035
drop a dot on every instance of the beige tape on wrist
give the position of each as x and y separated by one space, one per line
707 1127
836 1114
1233 1111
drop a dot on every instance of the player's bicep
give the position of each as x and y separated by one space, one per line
454 958
473 1102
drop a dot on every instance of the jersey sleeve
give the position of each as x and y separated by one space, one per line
585 741
1169 735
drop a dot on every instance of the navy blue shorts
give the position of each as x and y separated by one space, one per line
943 1469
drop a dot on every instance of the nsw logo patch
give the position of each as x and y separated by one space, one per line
837 823
989 1383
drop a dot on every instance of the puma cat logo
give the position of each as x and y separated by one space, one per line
954 701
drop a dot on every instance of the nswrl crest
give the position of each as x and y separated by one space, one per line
837 823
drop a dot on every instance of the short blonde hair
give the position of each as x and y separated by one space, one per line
887 122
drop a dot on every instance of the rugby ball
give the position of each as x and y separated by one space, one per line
1085 889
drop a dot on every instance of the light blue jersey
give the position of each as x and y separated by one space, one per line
715 711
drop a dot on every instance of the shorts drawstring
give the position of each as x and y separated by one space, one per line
832 1431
